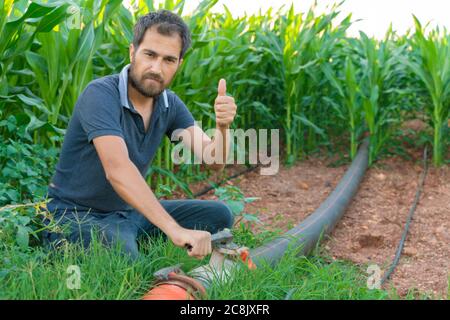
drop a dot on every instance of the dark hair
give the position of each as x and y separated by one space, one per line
167 23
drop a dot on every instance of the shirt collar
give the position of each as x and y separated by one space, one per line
123 90
123 86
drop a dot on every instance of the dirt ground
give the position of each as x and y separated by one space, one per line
373 224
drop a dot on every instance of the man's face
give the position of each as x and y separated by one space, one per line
155 62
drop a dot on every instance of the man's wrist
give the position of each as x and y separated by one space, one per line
171 229
222 127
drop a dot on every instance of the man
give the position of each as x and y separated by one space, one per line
116 127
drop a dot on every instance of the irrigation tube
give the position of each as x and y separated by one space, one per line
305 235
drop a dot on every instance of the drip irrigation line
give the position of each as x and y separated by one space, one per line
205 190
410 216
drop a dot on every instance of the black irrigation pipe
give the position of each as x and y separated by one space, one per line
408 221
307 234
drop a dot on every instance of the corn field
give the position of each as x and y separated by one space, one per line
298 72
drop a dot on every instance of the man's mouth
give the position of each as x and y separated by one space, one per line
154 79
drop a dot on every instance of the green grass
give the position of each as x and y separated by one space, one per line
300 278
106 274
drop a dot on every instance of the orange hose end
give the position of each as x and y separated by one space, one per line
167 291
176 287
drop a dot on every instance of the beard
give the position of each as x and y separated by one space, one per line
146 88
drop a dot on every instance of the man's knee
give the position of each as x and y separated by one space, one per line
224 216
122 240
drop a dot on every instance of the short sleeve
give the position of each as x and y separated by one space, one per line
99 111
181 119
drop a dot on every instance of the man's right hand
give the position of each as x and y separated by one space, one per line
198 241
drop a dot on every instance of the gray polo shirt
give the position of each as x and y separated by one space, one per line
103 108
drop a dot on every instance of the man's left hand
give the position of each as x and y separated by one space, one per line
224 106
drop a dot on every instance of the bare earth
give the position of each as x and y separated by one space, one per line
371 228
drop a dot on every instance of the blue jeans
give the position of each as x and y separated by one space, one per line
126 227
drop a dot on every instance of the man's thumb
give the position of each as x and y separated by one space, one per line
222 88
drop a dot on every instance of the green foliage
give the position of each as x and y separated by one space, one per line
17 35
15 228
371 84
431 63
235 199
244 235
307 42
296 71
62 59
25 167
20 226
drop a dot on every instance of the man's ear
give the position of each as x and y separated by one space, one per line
131 52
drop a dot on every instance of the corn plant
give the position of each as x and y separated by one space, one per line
20 23
308 42
113 53
380 79
430 61
296 71
62 64
17 33
370 89
348 103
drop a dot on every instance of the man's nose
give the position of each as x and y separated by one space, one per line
156 66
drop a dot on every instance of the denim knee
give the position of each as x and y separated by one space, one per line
225 217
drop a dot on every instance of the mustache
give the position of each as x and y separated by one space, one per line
154 76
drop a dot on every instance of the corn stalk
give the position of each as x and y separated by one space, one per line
62 64
431 63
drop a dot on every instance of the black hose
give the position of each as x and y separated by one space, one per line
408 221
322 221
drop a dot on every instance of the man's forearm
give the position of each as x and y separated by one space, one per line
221 146
132 188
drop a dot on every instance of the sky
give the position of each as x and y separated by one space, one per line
376 15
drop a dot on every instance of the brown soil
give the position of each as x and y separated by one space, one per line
373 224
372 227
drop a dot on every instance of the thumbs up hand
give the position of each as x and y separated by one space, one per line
224 106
